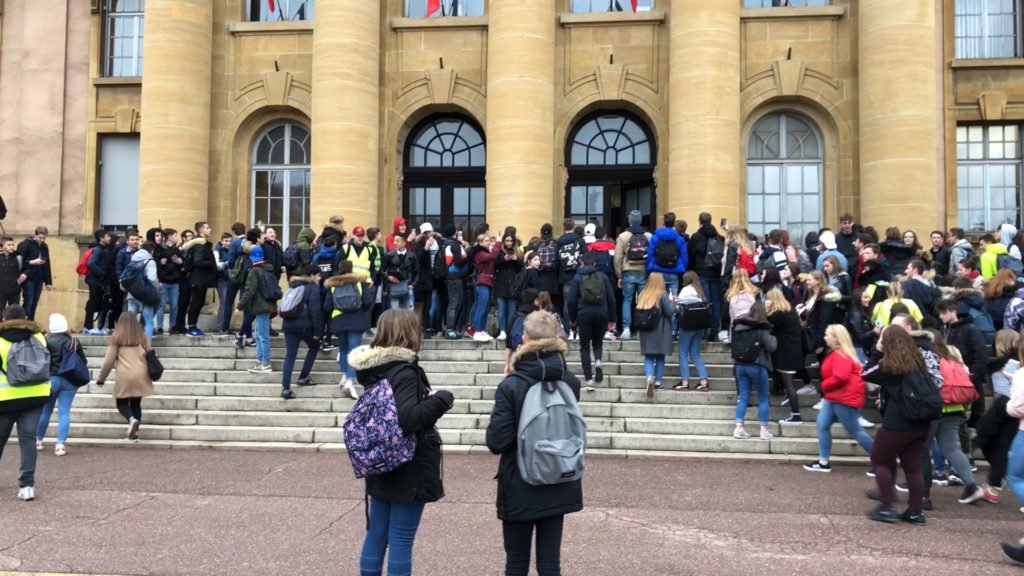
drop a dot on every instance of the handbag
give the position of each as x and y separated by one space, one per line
72 367
694 315
807 341
153 365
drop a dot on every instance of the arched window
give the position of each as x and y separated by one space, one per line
445 163
784 176
610 157
280 179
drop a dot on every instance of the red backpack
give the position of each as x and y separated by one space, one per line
957 387
83 263
746 261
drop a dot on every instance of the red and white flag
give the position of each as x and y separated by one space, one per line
634 4
270 6
433 7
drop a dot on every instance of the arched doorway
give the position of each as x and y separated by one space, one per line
610 157
443 175
280 179
784 176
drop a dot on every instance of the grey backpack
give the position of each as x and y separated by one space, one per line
27 363
552 435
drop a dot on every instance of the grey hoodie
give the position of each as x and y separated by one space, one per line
1006 234
141 255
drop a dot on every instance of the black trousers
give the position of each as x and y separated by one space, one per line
518 542
93 304
591 328
130 408
184 298
197 297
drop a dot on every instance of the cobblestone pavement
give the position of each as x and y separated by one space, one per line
144 511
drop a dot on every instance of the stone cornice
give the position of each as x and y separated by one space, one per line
258 28
117 81
442 23
986 63
569 19
793 12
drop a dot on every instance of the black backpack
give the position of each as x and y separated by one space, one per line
267 286
666 254
440 267
714 254
517 285
647 319
918 400
746 346
569 256
636 248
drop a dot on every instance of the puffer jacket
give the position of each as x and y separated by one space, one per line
1013 318
667 235
418 413
990 260
312 314
204 264
518 501
58 345
891 386
841 381
897 255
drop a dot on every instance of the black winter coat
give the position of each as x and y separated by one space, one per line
418 413
58 345
891 387
788 355
29 250
996 307
312 317
10 270
897 255
971 343
698 247
273 253
565 276
506 266
204 267
518 501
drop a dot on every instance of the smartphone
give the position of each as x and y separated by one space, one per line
724 222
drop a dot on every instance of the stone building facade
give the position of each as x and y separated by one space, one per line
517 112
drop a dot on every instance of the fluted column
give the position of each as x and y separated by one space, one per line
174 152
898 116
704 110
520 114
346 112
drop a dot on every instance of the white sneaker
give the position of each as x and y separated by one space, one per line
59 450
807 390
39 445
27 493
864 422
482 337
723 336
817 405
590 386
609 335
350 389
502 336
625 334
766 435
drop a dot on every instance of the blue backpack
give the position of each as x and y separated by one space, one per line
1011 263
983 321
373 438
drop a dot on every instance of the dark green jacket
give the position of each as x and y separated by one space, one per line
251 300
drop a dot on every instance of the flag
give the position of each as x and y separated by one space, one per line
270 6
634 5
433 6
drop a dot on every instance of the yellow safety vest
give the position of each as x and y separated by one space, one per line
9 393
335 313
360 262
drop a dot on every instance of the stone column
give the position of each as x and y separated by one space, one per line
346 112
174 153
520 115
898 117
704 111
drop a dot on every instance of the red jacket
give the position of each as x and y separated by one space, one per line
841 381
389 242
484 262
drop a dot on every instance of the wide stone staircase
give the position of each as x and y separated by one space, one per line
207 399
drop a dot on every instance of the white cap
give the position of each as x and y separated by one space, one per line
58 324
828 240
590 229
426 227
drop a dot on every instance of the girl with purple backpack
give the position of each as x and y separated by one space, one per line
397 497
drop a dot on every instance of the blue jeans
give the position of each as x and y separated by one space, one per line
291 343
62 394
435 301
481 307
31 290
672 287
392 529
506 310
168 296
401 302
633 282
689 345
348 341
654 366
713 292
938 459
261 329
747 377
145 314
1015 466
849 418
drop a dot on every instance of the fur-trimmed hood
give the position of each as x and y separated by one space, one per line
296 280
833 296
18 330
963 293
197 241
350 278
366 357
538 346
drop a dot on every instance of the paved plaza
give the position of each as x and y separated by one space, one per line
146 511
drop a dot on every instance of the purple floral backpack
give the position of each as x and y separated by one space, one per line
373 438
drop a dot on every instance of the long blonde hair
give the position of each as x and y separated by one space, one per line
738 234
652 292
778 301
129 331
740 283
823 285
844 343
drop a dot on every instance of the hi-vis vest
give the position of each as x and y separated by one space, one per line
361 262
9 393
335 313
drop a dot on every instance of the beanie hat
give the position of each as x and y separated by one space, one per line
58 324
256 254
635 217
